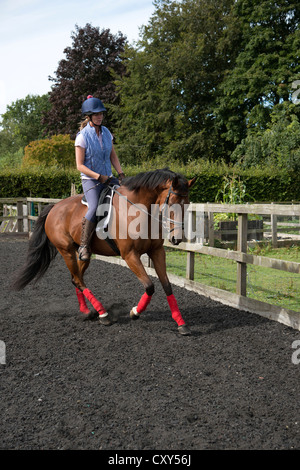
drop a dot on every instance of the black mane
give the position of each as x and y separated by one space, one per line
152 179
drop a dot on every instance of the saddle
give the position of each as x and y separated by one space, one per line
103 217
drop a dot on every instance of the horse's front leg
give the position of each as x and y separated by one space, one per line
158 257
134 263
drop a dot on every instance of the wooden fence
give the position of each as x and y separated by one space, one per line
19 214
241 257
204 245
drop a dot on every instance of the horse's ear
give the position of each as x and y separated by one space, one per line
192 182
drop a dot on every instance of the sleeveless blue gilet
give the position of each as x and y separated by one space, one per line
97 158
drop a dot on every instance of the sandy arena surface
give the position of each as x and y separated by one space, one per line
72 384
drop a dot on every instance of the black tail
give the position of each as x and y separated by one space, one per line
40 254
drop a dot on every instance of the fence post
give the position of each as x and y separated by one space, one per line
73 189
241 285
211 229
274 230
190 260
20 216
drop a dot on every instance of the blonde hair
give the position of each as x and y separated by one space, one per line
84 123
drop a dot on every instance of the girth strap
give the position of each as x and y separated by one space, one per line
113 245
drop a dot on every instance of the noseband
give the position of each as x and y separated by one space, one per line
165 204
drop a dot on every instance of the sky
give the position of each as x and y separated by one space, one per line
34 34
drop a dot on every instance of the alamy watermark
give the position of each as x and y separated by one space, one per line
296 354
296 87
135 221
2 352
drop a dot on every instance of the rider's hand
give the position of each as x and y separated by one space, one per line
121 177
102 178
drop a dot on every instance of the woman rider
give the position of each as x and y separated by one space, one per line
95 154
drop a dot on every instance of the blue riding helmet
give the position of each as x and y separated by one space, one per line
92 106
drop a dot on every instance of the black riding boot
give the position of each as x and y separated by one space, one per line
87 231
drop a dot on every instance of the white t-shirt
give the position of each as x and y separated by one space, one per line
80 142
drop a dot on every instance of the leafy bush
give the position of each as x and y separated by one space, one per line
57 151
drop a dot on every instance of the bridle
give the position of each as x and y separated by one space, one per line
163 219
166 204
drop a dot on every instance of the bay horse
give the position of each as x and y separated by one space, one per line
58 229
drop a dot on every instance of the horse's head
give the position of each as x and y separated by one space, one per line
175 203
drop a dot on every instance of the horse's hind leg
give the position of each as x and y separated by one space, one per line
77 269
82 303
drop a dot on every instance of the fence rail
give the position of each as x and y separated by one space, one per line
204 245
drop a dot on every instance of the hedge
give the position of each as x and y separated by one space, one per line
50 183
262 184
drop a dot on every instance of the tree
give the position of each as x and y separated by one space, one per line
167 96
266 65
88 69
22 121
278 145
205 75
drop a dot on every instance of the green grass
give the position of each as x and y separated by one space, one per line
264 284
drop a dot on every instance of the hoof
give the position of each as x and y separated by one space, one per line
184 330
91 316
134 315
106 321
